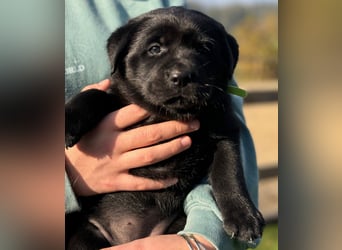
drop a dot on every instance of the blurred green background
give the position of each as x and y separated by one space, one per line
255 26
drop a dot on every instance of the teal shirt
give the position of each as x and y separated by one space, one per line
88 25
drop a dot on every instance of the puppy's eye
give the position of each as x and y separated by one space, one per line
155 49
203 48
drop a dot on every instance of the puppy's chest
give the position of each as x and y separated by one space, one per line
189 166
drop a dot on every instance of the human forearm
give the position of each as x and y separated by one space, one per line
204 219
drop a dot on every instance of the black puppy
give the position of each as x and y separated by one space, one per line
175 63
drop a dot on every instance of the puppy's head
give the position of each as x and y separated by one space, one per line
172 61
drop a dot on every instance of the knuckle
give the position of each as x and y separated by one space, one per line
152 135
180 127
148 158
175 148
138 111
139 186
145 184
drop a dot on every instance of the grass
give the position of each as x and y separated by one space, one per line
270 238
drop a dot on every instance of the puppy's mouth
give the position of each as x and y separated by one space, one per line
194 99
187 103
177 101
184 105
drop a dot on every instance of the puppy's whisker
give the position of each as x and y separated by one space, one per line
214 86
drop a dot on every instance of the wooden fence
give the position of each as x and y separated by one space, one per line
268 173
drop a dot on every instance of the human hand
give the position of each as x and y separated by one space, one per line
100 161
165 242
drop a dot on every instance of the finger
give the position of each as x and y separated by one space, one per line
150 155
125 117
103 85
128 182
165 242
152 134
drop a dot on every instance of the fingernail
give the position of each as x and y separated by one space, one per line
171 182
194 125
186 141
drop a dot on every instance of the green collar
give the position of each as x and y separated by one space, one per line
237 91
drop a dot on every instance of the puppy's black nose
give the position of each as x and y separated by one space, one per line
178 78
174 77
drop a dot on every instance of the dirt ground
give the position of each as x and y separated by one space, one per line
262 121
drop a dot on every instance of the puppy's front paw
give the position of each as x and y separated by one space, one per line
244 222
84 112
75 125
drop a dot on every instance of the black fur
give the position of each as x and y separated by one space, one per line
176 63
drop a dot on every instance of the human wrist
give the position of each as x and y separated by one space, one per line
77 183
197 242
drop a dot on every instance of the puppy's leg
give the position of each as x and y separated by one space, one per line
241 218
177 225
84 112
88 237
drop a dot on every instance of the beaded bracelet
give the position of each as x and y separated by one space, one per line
189 238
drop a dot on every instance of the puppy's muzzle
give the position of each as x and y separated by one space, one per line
180 76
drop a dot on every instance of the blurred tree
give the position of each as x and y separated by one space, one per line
258 40
256 29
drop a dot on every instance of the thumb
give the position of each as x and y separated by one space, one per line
102 85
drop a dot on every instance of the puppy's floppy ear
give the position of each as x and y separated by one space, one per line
234 48
118 43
